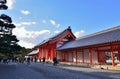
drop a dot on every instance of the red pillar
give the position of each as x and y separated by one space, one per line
49 53
41 52
66 56
98 55
46 50
55 53
72 57
38 55
90 55
60 55
76 57
112 56
52 51
119 55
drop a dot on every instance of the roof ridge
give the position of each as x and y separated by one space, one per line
100 32
59 32
51 38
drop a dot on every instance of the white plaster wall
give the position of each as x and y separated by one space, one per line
86 56
79 57
74 56
58 55
70 56
94 57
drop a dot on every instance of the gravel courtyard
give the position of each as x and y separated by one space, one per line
48 71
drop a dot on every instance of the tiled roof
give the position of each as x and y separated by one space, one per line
56 36
109 35
33 52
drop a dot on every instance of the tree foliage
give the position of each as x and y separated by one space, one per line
8 41
2 5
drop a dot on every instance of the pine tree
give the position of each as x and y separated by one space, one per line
8 41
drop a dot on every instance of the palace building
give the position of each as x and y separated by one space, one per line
47 48
98 48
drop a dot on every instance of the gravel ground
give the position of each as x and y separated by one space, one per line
48 71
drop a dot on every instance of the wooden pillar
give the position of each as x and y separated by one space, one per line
61 55
46 50
44 53
56 54
98 56
66 56
49 55
52 51
119 55
72 57
112 56
90 55
76 57
38 54
41 52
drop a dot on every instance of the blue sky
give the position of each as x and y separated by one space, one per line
37 20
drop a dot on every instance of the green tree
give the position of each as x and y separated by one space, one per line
2 4
8 41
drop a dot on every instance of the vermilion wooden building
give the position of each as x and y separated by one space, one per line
94 48
47 48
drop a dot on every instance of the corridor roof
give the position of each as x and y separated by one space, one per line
105 36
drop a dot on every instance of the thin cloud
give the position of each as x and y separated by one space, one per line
20 18
44 21
28 38
56 31
54 23
26 44
23 33
78 33
25 23
25 12
58 25
10 3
